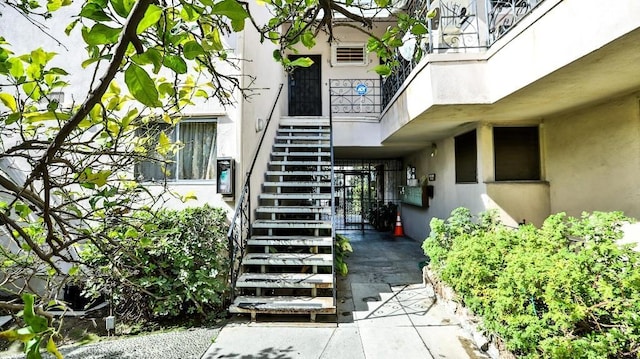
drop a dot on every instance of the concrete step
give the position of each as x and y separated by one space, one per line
293 129
301 145
302 138
312 196
300 154
294 209
300 163
310 241
298 184
298 173
283 305
288 259
284 280
307 121
291 223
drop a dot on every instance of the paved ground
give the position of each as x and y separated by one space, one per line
384 312
182 344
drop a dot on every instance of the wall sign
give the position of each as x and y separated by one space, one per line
361 89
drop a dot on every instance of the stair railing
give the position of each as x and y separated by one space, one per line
240 226
333 202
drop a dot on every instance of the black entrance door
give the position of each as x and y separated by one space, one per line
305 95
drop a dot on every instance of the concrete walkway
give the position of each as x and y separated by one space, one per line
384 311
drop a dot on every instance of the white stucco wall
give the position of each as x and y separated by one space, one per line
593 158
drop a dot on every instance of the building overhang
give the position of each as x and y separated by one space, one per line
568 55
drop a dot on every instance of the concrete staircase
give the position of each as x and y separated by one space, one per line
288 268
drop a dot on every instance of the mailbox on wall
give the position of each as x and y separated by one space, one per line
225 176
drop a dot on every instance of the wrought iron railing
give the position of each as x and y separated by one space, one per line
355 96
459 26
240 226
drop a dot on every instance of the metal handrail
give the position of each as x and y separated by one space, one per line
333 203
240 227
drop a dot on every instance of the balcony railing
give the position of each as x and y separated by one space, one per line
460 26
355 97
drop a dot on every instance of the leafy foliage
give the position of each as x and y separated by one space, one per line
36 330
342 250
170 264
566 290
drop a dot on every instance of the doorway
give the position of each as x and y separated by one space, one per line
305 88
361 187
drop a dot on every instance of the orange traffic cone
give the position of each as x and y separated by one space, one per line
398 231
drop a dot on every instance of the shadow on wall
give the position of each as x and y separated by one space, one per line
519 202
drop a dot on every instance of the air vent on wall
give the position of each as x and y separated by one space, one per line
349 54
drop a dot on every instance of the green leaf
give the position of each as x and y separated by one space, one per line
9 101
151 56
382 70
22 210
237 25
231 9
88 62
277 55
141 86
95 12
192 49
151 16
145 241
58 71
71 26
419 29
100 34
175 63
432 13
37 323
53 349
32 348
190 13
46 116
74 270
53 5
302 62
308 39
17 68
214 40
122 7
382 3
131 233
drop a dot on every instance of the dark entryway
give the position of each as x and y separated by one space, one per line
305 88
363 187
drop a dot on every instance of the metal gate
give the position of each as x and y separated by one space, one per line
361 186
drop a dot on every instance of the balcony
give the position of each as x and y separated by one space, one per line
460 26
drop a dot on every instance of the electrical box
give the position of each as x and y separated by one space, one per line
225 176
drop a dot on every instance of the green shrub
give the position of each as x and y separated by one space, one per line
342 250
170 264
566 290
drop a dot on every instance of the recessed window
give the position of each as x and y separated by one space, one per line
196 159
349 54
516 153
466 151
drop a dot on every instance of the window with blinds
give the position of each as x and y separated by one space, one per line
349 54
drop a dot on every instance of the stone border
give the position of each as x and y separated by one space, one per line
491 346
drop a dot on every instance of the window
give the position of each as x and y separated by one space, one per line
194 161
516 153
349 54
466 151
